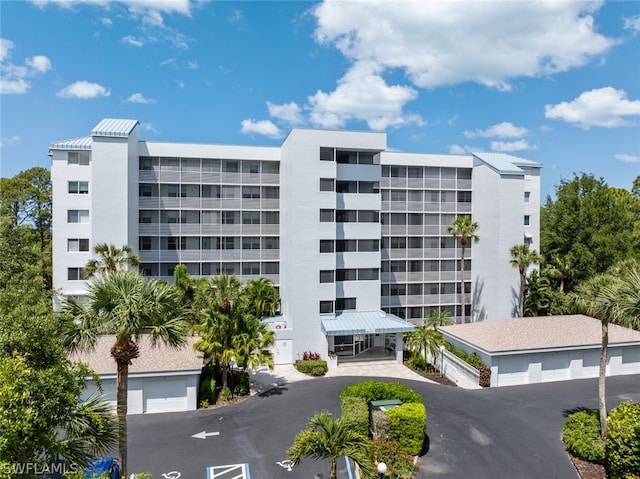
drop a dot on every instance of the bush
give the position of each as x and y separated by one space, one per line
225 394
623 441
407 427
310 356
474 360
379 391
355 412
581 434
485 376
399 464
241 382
416 361
313 367
208 390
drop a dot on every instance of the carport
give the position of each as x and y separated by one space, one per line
161 379
547 348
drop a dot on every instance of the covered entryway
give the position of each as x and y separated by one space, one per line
362 335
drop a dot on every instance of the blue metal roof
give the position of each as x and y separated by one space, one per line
83 143
505 164
114 127
365 322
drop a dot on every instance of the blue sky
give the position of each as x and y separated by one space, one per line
554 82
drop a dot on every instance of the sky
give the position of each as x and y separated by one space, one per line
550 81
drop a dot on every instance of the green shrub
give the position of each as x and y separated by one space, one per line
355 412
379 391
208 390
416 361
225 394
623 441
407 426
399 464
313 367
474 360
581 434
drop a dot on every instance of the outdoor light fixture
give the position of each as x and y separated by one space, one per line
382 469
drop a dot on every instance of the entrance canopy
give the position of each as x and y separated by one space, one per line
365 322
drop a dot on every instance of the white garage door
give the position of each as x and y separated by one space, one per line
555 367
165 395
513 370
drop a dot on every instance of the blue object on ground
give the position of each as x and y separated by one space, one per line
99 466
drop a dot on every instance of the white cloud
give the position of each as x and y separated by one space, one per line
500 130
9 141
14 79
517 145
632 23
168 6
627 158
139 98
131 40
604 107
445 43
262 127
289 112
362 94
148 127
457 150
83 90
169 61
235 16
107 22
193 65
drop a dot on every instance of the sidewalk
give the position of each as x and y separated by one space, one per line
264 380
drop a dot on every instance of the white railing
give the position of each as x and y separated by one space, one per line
455 368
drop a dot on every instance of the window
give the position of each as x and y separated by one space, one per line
146 164
414 172
464 197
343 246
77 216
367 216
173 191
79 187
271 192
230 166
251 192
368 245
527 220
398 242
228 192
251 268
78 244
144 243
250 217
271 242
75 274
326 307
228 217
270 268
398 195
250 167
527 197
226 242
270 168
368 274
398 219
147 216
326 276
326 216
398 266
346 216
415 219
528 240
326 154
347 157
326 246
346 187
270 217
414 289
78 158
368 187
346 274
415 242
250 242
326 184
345 303
415 266
145 189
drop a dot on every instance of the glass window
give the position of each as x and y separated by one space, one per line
414 289
230 166
229 217
347 157
368 274
326 276
346 274
398 242
398 195
77 216
250 217
527 220
251 192
326 246
326 184
79 187
145 189
368 245
415 266
464 197
73 158
398 172
398 266
326 216
464 173
271 192
75 274
415 242
271 242
415 195
270 168
270 268
346 187
250 167
414 172
367 216
326 307
415 219
144 243
270 217
250 242
366 158
343 246
368 186
326 154
345 303
527 197
398 219
78 244
251 268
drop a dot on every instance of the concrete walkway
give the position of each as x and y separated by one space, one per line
263 379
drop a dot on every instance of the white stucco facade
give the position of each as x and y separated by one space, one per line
336 220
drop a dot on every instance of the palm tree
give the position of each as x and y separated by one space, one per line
262 297
522 257
463 228
560 269
126 305
424 341
110 259
329 437
438 318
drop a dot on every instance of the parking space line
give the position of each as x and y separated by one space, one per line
231 471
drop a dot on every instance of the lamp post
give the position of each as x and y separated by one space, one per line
441 360
382 469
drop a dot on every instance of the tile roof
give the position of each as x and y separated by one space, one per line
365 322
546 332
157 358
114 127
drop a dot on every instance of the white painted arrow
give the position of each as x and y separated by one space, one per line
204 435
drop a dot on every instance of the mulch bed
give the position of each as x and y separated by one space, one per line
588 470
435 377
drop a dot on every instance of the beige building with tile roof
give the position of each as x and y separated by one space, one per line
548 348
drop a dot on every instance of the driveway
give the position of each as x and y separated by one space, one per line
491 433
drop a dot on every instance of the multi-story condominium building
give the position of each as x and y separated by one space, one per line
355 236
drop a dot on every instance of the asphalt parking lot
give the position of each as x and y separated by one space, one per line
510 432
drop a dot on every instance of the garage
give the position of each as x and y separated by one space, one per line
547 348
161 379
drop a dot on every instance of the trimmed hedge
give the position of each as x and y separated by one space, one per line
581 434
355 413
208 390
407 427
623 441
313 367
380 391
